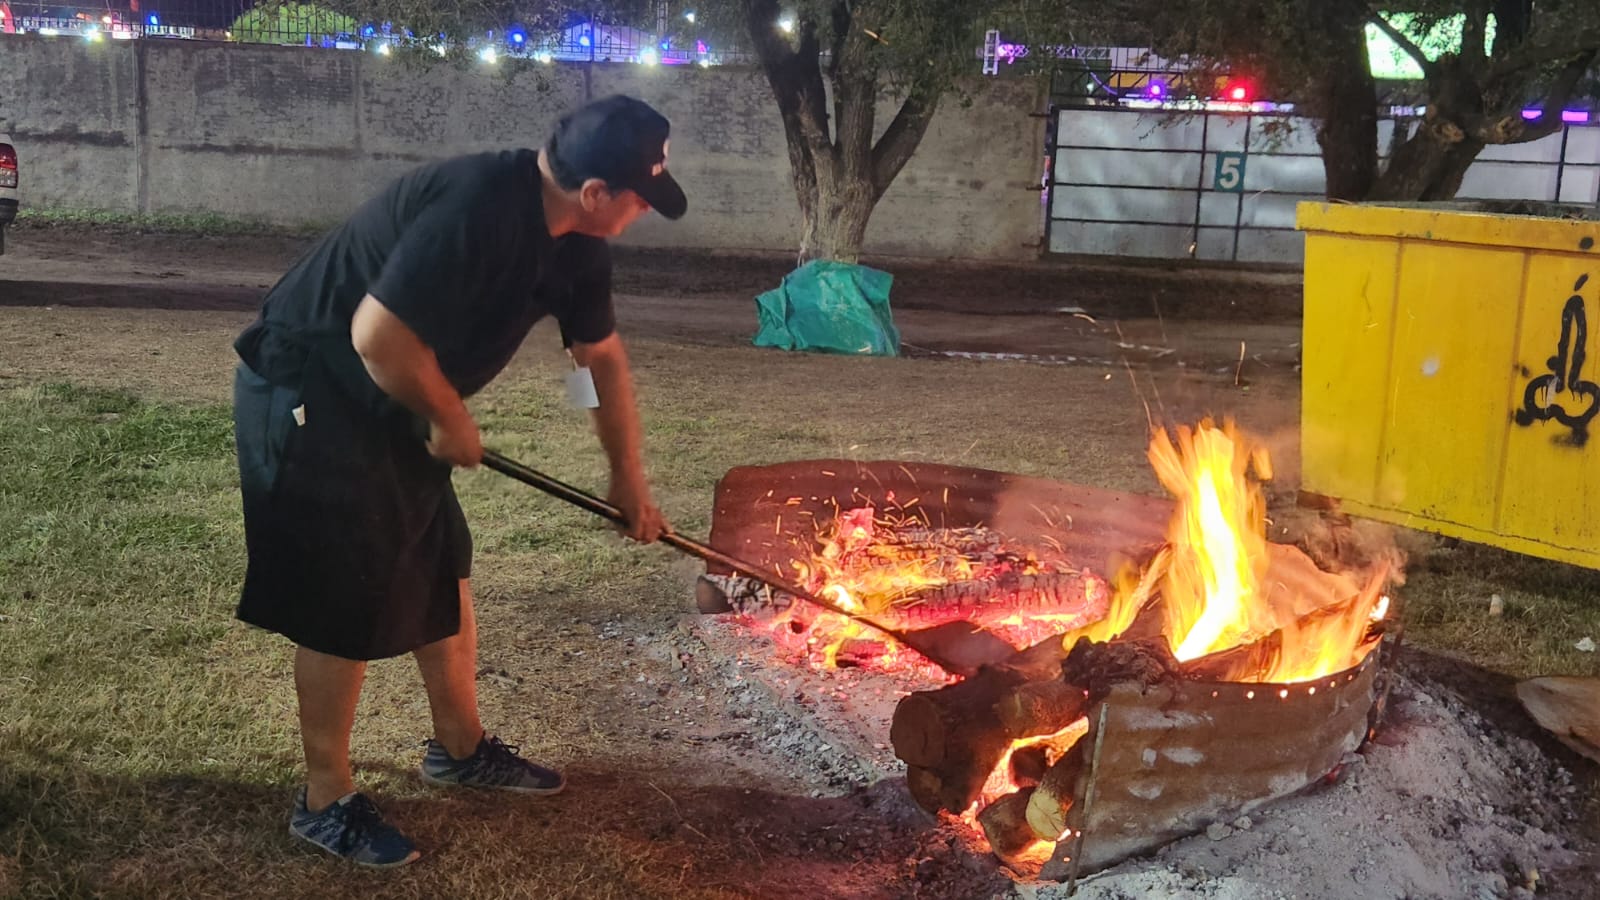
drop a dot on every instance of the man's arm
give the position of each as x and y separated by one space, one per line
617 424
406 369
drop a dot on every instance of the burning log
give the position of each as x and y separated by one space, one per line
859 651
1008 594
1070 593
1005 824
1040 707
1051 802
959 734
1145 662
736 593
1237 663
955 734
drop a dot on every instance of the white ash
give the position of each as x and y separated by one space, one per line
1442 805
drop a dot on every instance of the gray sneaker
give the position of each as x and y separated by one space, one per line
352 828
495 764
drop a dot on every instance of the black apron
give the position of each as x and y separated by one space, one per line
356 540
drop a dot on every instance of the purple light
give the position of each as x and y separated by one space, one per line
700 47
1156 89
1007 52
1570 116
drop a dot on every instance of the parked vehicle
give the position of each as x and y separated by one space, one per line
9 178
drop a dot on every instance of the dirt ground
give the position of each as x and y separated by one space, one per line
734 765
1222 321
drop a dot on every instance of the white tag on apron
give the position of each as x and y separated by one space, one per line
580 389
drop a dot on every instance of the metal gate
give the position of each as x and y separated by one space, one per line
1223 186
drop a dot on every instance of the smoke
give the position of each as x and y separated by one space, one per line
1340 543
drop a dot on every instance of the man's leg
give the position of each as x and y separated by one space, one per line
328 687
460 753
450 673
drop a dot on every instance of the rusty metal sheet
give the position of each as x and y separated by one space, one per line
764 513
1178 757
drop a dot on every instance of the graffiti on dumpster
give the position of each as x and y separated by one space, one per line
1563 395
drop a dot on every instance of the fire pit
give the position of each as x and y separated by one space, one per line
1174 668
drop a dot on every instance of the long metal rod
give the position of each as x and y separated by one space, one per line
959 647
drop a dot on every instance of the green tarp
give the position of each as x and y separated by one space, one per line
830 307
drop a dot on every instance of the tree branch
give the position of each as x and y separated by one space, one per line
796 83
759 17
900 139
1535 53
814 94
793 72
1474 33
839 16
855 91
1555 101
1429 68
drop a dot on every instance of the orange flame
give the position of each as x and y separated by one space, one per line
1218 540
1218 583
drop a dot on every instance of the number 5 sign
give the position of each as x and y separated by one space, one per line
1230 172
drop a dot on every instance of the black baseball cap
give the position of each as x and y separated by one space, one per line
623 142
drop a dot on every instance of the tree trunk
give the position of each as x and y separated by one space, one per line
839 172
1432 162
1428 166
1345 97
835 225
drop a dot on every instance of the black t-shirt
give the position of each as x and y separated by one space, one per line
460 252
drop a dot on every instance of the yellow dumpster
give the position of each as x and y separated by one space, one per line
1449 378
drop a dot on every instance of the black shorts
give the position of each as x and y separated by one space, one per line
356 542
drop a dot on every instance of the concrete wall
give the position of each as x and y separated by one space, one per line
298 135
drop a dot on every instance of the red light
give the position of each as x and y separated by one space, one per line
1239 91
8 157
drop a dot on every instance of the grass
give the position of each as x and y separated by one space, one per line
115 222
1548 608
148 742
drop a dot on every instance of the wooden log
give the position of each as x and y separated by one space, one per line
1005 824
1568 707
1051 802
956 732
859 652
930 726
1011 592
1096 667
1028 765
971 540
1248 662
736 593
1040 707
1061 593
926 788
